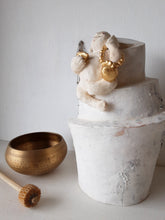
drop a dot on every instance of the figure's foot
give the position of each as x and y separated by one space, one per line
101 105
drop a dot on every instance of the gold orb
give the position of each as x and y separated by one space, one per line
109 74
83 54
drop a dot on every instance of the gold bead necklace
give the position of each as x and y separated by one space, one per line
109 69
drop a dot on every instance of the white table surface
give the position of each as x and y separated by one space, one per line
62 198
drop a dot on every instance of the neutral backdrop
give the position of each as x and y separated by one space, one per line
37 41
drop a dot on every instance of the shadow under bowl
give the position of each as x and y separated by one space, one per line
36 153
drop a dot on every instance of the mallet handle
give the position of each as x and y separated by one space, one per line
10 182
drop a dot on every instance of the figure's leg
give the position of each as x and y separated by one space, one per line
90 100
100 87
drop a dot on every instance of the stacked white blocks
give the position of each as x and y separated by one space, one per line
117 150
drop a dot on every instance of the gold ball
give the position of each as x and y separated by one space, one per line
84 55
109 74
120 63
117 65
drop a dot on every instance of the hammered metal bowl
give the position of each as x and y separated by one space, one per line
36 153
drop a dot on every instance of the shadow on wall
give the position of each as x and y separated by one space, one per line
157 70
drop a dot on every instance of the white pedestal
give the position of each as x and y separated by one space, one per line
116 163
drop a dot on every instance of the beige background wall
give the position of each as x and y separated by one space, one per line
37 41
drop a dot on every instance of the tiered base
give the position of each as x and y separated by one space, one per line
116 162
127 103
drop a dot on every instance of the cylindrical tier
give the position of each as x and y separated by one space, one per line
161 158
133 69
116 162
126 103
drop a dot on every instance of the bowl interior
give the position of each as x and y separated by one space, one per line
35 141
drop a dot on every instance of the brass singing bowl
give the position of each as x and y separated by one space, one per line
36 153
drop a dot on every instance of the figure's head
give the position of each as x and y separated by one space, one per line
99 41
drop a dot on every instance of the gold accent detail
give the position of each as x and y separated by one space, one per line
109 69
108 73
83 54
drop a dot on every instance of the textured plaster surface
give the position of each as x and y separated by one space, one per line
126 103
115 164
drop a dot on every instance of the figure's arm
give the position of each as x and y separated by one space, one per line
78 63
113 46
100 87
90 100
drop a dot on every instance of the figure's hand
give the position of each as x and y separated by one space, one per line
113 45
77 64
112 42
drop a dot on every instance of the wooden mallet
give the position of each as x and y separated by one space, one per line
29 195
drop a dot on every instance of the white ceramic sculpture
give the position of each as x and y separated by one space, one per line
91 84
120 126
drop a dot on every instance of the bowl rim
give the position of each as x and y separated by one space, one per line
35 133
